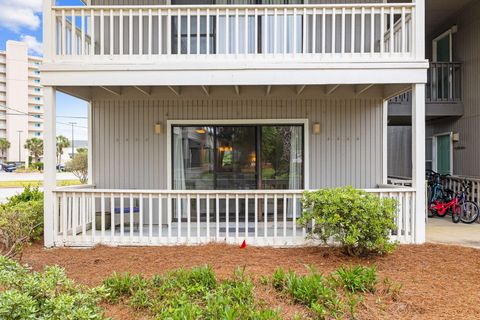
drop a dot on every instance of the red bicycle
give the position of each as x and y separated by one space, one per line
460 208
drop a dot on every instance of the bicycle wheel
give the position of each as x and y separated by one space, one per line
469 213
456 212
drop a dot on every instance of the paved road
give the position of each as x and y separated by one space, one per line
443 230
12 176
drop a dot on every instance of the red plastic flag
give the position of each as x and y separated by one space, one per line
244 245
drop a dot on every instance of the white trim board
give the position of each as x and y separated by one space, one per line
306 140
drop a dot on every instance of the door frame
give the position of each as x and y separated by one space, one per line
449 34
306 142
434 150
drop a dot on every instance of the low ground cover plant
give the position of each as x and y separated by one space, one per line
360 222
189 294
332 296
21 221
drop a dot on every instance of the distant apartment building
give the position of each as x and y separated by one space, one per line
21 99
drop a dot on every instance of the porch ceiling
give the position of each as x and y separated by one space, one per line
373 90
438 11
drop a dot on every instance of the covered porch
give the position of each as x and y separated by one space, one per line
193 164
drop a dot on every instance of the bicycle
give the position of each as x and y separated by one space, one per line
461 209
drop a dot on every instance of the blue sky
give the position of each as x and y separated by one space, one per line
21 20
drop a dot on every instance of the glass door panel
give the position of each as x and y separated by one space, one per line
282 157
236 158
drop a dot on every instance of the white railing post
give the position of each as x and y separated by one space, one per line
419 29
49 30
49 159
418 159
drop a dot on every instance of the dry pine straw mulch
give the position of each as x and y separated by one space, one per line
439 281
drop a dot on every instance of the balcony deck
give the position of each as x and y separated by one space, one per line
240 38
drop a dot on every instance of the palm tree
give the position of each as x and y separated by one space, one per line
62 143
4 146
35 146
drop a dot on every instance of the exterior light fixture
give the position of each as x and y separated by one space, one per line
158 128
316 128
456 137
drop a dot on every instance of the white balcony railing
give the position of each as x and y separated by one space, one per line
88 216
318 32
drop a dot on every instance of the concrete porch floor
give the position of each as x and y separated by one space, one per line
443 230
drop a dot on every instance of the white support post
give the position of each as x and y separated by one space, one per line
418 160
49 159
419 29
90 144
385 142
48 30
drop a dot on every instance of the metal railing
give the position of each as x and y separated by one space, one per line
444 82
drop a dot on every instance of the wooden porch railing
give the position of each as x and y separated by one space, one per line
85 217
347 31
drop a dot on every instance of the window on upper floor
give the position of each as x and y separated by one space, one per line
37 89
37 125
36 72
36 116
37 107
38 134
37 80
37 99
223 35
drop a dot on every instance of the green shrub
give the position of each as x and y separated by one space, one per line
359 221
357 279
48 295
37 166
21 221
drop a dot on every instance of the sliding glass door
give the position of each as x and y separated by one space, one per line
233 157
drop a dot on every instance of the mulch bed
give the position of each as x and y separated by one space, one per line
439 281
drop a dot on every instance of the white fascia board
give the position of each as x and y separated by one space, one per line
234 77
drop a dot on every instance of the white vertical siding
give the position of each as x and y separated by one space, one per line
127 153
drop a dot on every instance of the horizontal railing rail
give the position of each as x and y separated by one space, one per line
455 183
85 217
346 30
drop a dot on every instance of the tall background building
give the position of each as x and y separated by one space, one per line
21 99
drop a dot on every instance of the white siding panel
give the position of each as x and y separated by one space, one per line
127 153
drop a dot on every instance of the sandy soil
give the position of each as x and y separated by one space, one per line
439 281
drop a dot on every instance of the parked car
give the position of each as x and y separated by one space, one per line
61 167
9 167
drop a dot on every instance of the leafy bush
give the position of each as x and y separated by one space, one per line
48 295
359 221
357 279
37 166
21 221
79 166
189 294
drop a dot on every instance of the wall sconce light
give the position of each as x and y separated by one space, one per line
456 137
316 128
158 128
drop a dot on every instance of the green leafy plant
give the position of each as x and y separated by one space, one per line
357 279
79 166
360 222
25 294
189 294
21 221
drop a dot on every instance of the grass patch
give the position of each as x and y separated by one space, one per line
36 183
